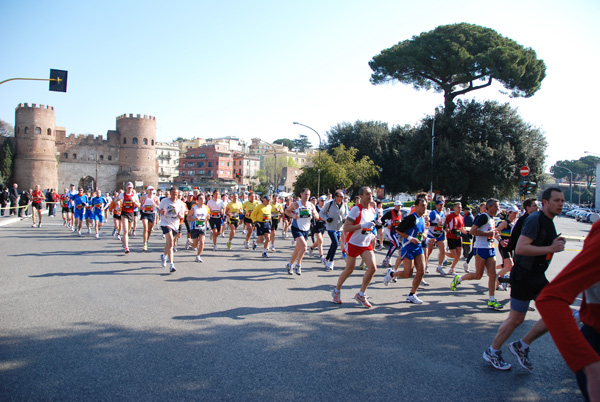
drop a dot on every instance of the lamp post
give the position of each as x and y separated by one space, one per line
319 169
570 183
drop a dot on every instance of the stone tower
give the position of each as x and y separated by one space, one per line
35 157
137 154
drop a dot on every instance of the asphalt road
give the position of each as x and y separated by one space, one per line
82 321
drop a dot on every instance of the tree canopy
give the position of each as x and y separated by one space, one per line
583 169
286 142
301 144
459 58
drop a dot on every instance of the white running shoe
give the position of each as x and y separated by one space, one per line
424 283
215 248
273 248
310 253
388 276
97 235
198 259
414 299
246 245
440 270
466 267
163 260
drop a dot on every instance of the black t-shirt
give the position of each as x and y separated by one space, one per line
541 229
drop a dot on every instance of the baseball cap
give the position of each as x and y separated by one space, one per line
149 188
437 202
512 208
398 202
129 184
322 198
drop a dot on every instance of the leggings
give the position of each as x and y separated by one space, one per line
335 242
395 238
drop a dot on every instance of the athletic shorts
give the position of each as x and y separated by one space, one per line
431 236
287 218
166 229
117 216
37 205
274 223
234 222
135 213
378 227
66 210
454 243
263 228
78 214
195 233
355 251
299 233
215 223
247 220
71 209
99 217
410 253
127 216
89 215
149 217
485 253
318 228
526 285
504 253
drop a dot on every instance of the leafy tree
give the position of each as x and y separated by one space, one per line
478 152
583 169
286 142
6 162
271 174
301 144
457 59
339 169
6 130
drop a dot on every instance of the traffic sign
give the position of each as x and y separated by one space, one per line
524 171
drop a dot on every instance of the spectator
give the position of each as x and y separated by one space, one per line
13 196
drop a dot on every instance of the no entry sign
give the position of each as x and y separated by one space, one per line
524 171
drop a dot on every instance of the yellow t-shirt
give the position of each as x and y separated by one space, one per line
262 213
233 208
249 207
276 210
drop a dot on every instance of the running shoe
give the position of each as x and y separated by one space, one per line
451 272
198 259
424 283
522 354
388 276
215 248
188 244
264 253
119 237
298 269
228 245
335 294
223 234
163 260
386 262
466 267
496 360
89 231
145 248
344 255
446 263
79 233
34 225
494 305
414 299
273 248
253 245
440 270
455 282
362 300
289 268
326 265
126 250
426 269
310 253
97 235
174 249
246 245
362 266
172 268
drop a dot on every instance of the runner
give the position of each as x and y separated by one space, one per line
233 210
276 214
66 210
472 252
436 235
359 225
190 201
392 220
100 204
72 193
216 212
248 207
301 211
334 213
317 229
455 225
411 230
171 211
148 204
261 217
536 246
287 220
198 216
89 212
79 202
116 211
36 204
505 230
484 230
379 224
127 201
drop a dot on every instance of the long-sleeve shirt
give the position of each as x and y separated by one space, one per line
581 275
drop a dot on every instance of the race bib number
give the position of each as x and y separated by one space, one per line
304 213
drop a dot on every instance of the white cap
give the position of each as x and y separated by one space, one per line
149 188
323 198
129 184
397 202
512 208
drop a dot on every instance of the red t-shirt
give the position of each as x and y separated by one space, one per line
37 197
454 222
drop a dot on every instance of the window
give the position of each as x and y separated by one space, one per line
228 163
38 130
209 165
49 131
66 155
26 130
200 171
101 157
124 140
152 142
145 141
191 155
109 158
199 164
191 172
190 164
134 141
74 156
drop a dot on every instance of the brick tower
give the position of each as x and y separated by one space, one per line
137 154
35 157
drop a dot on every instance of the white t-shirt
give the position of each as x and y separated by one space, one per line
199 217
215 207
361 237
174 208
305 213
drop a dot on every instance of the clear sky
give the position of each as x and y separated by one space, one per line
249 69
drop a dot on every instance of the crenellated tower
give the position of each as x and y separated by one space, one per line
35 157
137 155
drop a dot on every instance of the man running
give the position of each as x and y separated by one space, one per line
148 204
171 211
232 211
248 207
411 230
301 212
261 217
392 220
127 202
216 212
535 248
455 225
198 216
276 214
334 213
436 235
359 226
79 202
484 231
100 204
36 204
66 210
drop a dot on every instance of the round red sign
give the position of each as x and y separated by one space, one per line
524 171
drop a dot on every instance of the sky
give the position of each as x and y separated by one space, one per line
250 69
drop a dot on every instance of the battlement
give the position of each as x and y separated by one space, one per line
81 139
138 116
34 106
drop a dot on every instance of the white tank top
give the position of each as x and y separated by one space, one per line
305 212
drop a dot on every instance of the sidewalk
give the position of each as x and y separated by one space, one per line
7 220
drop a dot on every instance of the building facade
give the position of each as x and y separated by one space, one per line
167 155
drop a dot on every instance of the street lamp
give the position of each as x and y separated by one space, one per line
319 169
570 183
